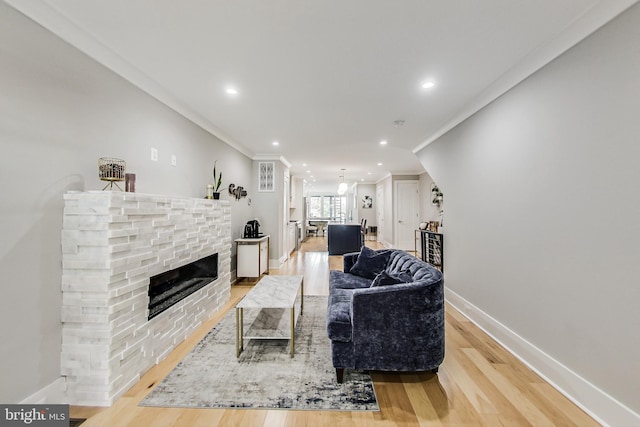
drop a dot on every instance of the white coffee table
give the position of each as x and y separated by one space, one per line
278 298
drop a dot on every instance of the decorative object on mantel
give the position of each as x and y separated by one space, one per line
112 170
265 376
238 192
130 182
213 190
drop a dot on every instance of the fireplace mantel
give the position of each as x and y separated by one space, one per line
112 243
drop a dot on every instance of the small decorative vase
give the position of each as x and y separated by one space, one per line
216 196
209 191
130 182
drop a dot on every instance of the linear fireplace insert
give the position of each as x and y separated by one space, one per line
171 287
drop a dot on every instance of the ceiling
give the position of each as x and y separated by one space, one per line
326 79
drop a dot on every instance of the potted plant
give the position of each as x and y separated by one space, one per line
217 182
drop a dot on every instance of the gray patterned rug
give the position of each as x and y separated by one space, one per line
264 376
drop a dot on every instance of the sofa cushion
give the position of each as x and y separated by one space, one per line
370 263
385 279
339 319
341 280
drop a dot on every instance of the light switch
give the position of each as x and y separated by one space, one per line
154 154
174 160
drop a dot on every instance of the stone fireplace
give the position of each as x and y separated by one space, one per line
113 243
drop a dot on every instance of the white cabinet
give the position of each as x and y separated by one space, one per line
291 241
253 257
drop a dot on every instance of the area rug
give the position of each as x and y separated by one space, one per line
265 376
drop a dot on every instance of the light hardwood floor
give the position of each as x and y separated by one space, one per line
479 383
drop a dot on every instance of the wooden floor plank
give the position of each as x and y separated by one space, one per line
424 410
510 391
478 384
560 408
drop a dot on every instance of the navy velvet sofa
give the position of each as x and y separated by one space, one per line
388 326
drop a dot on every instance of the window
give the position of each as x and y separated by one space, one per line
266 176
333 208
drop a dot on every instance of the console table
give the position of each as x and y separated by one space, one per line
253 256
432 248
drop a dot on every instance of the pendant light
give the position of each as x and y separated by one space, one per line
343 187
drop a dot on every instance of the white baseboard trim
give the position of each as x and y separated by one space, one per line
598 404
52 393
386 244
277 263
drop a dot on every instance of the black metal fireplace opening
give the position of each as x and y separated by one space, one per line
171 287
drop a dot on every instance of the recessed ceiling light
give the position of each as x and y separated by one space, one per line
428 85
231 91
275 143
361 179
304 165
368 173
383 142
379 164
308 171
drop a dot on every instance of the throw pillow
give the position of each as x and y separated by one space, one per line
405 276
385 279
369 263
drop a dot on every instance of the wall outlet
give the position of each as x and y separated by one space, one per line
174 160
154 154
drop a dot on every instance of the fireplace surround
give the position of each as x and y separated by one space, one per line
112 244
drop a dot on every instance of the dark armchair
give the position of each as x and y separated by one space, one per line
391 327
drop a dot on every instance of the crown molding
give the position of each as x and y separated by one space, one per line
272 157
387 175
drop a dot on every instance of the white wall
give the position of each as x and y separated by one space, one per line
268 209
368 214
59 112
542 193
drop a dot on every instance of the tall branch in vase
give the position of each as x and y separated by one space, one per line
217 181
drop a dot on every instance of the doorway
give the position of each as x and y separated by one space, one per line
406 214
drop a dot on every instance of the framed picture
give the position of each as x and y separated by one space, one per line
367 202
266 176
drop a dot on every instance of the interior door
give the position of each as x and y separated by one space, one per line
380 212
406 214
